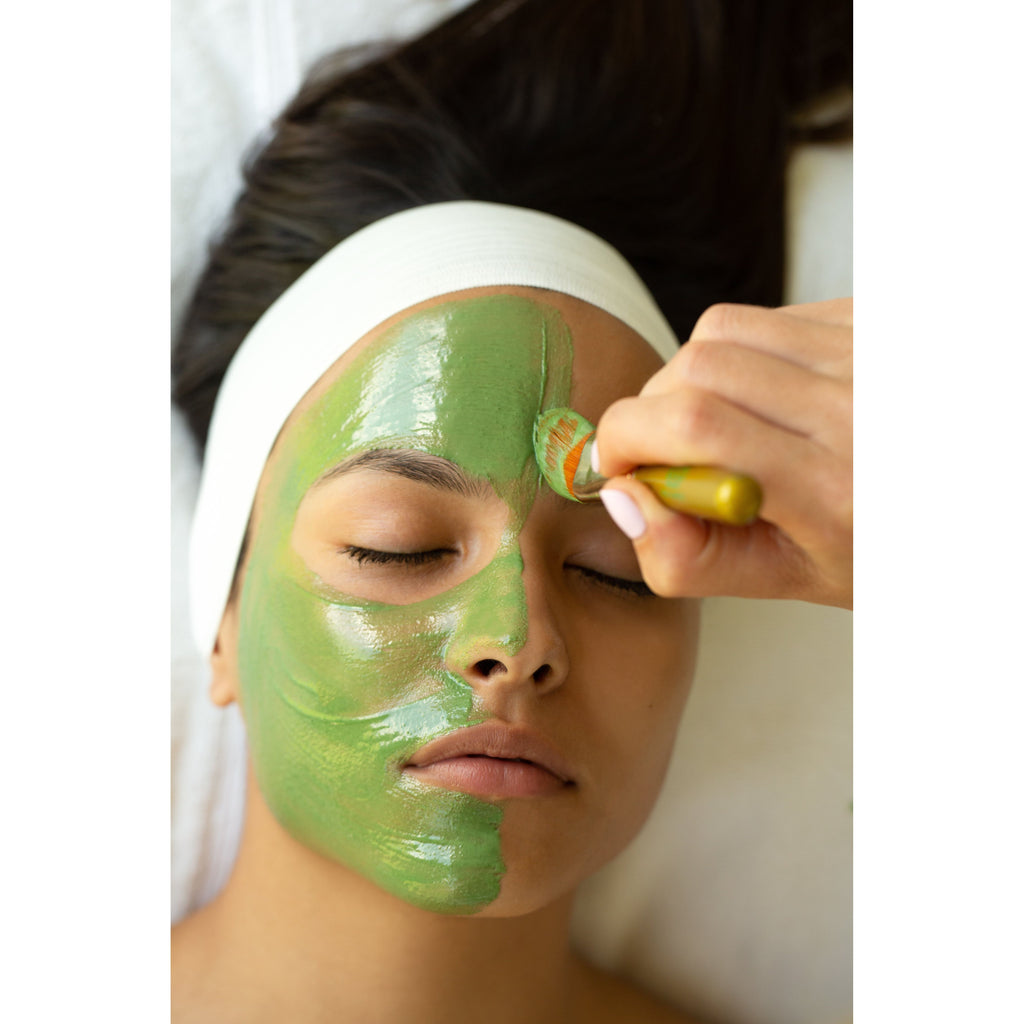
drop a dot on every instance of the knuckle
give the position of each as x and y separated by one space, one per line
839 491
717 321
835 405
698 361
693 416
843 410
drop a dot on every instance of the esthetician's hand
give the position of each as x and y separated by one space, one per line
768 393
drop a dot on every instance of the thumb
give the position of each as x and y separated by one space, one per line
683 556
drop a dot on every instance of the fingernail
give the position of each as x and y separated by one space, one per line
625 512
594 464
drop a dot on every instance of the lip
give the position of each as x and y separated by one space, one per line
493 761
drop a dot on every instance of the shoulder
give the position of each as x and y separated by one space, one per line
607 999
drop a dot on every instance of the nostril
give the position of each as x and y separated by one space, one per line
489 667
542 673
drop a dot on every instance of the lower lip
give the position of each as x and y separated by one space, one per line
489 777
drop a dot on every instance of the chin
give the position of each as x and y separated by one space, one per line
521 894
544 866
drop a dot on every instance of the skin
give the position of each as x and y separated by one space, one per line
349 663
599 671
769 393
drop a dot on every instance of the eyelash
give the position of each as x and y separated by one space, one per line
363 555
636 588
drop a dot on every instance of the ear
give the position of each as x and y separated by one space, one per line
224 660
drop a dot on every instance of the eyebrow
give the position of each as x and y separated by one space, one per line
421 467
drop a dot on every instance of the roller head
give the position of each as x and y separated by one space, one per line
561 443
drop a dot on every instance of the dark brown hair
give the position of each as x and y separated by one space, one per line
661 125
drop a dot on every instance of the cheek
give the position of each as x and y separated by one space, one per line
331 659
334 660
655 650
336 699
352 691
637 679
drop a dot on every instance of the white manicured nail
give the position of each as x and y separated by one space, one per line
594 464
625 512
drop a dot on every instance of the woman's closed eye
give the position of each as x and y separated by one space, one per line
399 558
371 556
635 588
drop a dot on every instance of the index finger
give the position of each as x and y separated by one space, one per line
821 346
791 333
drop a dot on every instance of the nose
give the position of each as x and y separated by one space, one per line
508 640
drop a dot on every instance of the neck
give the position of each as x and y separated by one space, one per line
306 939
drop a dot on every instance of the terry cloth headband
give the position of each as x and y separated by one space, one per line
390 265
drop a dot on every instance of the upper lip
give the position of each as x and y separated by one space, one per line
493 739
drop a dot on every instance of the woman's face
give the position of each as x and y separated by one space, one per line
410 578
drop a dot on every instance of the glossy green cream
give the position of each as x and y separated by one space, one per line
339 692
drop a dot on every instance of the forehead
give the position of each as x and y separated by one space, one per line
463 375
609 359
465 378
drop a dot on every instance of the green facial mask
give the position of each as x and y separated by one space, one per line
339 692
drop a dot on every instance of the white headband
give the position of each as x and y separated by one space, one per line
386 267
